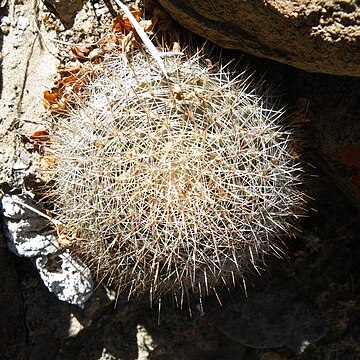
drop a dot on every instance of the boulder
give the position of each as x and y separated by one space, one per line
314 35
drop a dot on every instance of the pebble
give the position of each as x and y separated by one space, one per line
5 20
23 23
5 24
23 163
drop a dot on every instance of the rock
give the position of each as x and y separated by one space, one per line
66 277
337 129
270 318
23 162
52 323
315 35
335 142
75 326
12 321
145 342
5 23
23 228
23 23
66 10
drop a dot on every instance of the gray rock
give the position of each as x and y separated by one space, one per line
23 228
317 36
66 277
270 318
23 23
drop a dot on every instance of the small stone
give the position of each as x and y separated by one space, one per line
23 163
75 326
5 25
5 20
145 342
23 23
101 11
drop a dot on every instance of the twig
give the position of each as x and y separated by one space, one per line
74 44
147 42
27 206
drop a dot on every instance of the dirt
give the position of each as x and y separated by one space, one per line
321 262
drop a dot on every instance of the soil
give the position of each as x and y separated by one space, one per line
320 264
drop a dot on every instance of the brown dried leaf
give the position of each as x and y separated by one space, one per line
121 24
40 137
81 52
51 97
64 241
64 72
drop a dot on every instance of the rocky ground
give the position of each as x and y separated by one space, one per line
304 306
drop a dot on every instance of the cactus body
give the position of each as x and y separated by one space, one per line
173 185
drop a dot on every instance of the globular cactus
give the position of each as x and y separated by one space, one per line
173 184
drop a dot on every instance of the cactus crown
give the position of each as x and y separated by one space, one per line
173 185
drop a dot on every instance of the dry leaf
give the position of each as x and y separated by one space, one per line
40 137
51 97
64 241
64 72
81 52
121 24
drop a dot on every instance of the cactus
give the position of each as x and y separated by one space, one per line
174 185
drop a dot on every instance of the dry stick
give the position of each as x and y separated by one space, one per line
27 206
147 42
56 223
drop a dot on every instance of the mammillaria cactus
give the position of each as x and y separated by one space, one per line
173 184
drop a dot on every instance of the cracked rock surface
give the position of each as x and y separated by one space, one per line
66 277
23 227
314 35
